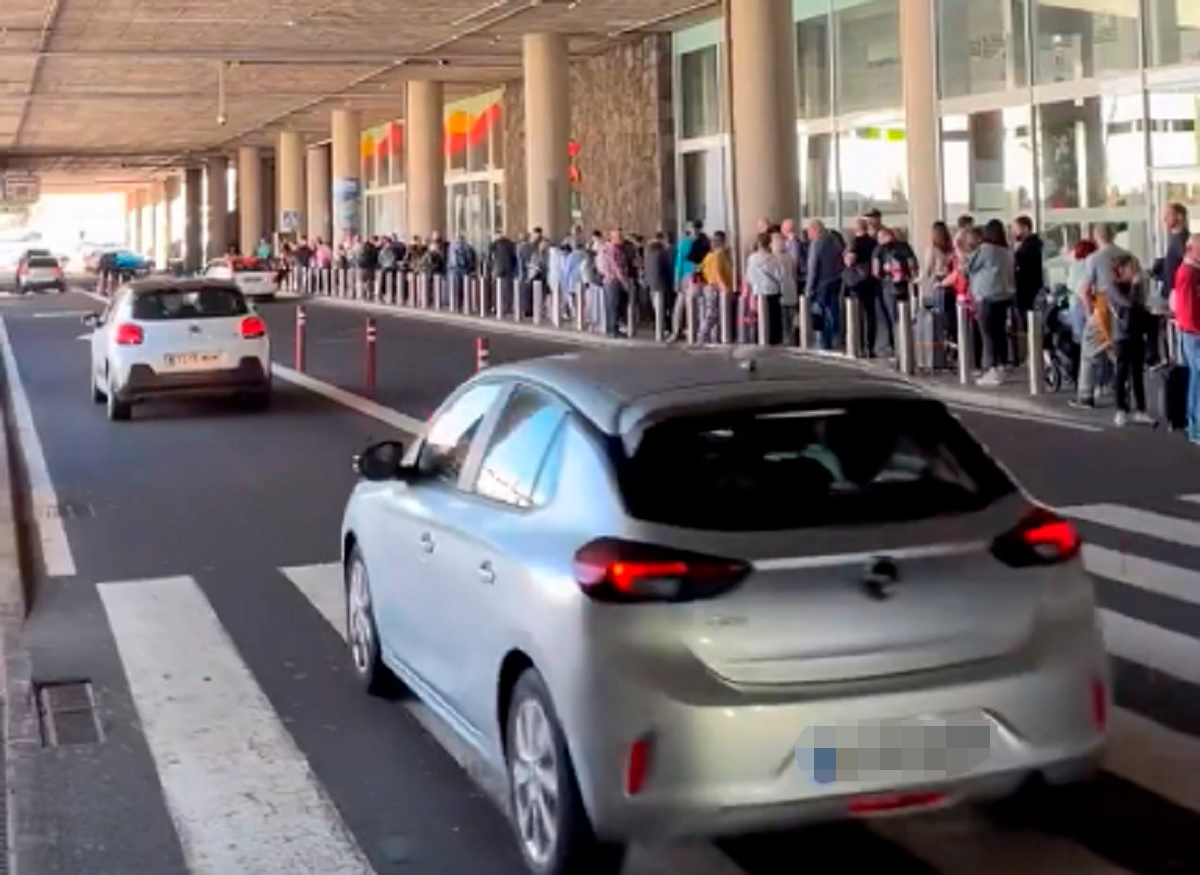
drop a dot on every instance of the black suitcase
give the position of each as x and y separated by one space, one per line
1167 393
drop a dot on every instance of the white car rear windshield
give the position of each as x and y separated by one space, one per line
860 463
43 262
189 303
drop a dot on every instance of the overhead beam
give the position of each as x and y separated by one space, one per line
49 19
85 96
259 58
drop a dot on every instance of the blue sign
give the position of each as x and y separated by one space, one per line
347 198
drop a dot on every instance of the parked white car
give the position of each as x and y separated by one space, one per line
173 337
254 276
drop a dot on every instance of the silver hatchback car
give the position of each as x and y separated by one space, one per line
675 593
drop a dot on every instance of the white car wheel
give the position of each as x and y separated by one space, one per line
362 634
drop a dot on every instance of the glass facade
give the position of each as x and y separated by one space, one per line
1073 112
473 140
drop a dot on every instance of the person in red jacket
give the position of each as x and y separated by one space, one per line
1185 302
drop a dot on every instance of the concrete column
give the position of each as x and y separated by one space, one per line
346 160
289 187
762 58
162 224
250 199
216 173
547 132
193 199
133 220
146 223
919 88
425 158
317 216
270 201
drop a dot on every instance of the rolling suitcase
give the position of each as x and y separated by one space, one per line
930 333
1166 396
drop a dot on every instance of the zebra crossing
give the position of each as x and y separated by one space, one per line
243 797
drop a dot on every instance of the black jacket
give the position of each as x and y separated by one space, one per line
1030 270
502 256
659 269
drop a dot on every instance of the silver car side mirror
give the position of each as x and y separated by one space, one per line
381 461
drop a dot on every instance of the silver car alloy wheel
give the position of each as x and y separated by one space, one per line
358 618
534 773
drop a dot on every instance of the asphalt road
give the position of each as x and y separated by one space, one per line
207 498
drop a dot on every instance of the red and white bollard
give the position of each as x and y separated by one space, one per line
301 332
483 353
372 348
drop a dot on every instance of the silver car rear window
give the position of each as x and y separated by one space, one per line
861 463
189 303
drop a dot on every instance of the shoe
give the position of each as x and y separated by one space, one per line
1080 404
1141 417
991 378
1121 418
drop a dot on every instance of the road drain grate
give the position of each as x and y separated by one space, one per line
67 712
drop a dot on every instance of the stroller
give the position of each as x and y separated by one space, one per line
1060 350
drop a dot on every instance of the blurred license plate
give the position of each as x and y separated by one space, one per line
896 751
193 360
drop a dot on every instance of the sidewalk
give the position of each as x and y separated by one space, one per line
1012 397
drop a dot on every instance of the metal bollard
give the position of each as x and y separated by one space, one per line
603 291
631 313
1174 342
804 322
481 300
1037 364
852 322
764 319
301 332
904 340
556 305
539 299
580 298
658 316
966 345
483 353
723 302
690 303
438 283
518 300
372 350
499 297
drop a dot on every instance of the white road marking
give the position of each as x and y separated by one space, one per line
1152 646
322 586
52 535
62 314
241 794
1172 581
1140 522
962 841
1192 499
400 421
1156 758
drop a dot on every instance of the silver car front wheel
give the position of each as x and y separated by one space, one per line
534 768
362 634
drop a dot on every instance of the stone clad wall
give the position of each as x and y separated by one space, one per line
622 119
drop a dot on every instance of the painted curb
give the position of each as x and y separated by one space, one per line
22 734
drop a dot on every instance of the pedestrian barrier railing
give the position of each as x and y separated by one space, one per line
703 316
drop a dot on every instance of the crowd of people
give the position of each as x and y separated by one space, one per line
613 282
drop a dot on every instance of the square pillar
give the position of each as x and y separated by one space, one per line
317 216
216 189
250 199
193 230
425 157
289 186
547 132
346 161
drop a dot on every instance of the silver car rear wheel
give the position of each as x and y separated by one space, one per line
553 829
534 772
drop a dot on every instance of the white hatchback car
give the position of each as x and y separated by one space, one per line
178 338
254 276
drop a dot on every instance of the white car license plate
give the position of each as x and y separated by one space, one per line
193 360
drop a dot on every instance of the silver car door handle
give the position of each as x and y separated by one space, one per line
427 542
486 573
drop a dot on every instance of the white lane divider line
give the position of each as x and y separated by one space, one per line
400 421
962 841
241 794
52 535
322 585
1139 522
1003 413
1161 578
1156 758
1152 646
1191 499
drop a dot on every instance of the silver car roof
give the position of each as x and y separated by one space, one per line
618 389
